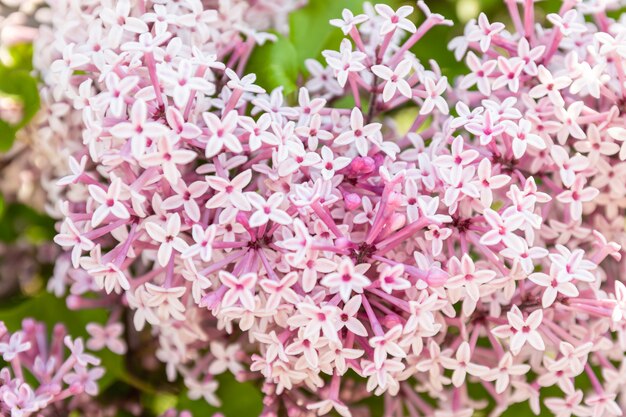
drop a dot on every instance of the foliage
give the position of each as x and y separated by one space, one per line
17 82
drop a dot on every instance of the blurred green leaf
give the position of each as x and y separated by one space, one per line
239 399
19 220
310 30
18 84
21 56
275 64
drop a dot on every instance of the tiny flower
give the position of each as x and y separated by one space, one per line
485 128
359 133
394 80
469 278
570 265
70 236
567 23
577 195
221 133
168 157
77 168
77 348
258 131
348 21
461 365
184 82
511 70
568 166
480 74
502 374
203 239
395 19
239 289
391 278
386 345
619 134
345 61
553 287
314 319
225 358
109 277
502 229
139 130
347 279
230 191
324 407
279 290
15 346
348 319
267 210
522 137
166 301
186 197
109 202
108 336
550 86
167 237
522 331
485 32
434 90
245 83
329 163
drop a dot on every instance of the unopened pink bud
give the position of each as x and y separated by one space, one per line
362 165
352 201
437 277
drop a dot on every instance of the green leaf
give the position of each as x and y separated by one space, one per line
19 220
21 56
275 64
239 399
309 28
310 31
20 85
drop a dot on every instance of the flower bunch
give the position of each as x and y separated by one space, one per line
39 373
323 251
545 104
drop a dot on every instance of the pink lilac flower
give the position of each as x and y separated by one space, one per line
308 241
55 374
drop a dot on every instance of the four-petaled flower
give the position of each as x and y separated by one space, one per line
266 210
346 279
167 237
108 202
394 80
521 331
240 289
139 130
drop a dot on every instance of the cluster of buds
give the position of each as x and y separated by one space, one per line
41 376
292 242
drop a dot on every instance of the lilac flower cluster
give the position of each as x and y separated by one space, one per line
58 376
324 251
